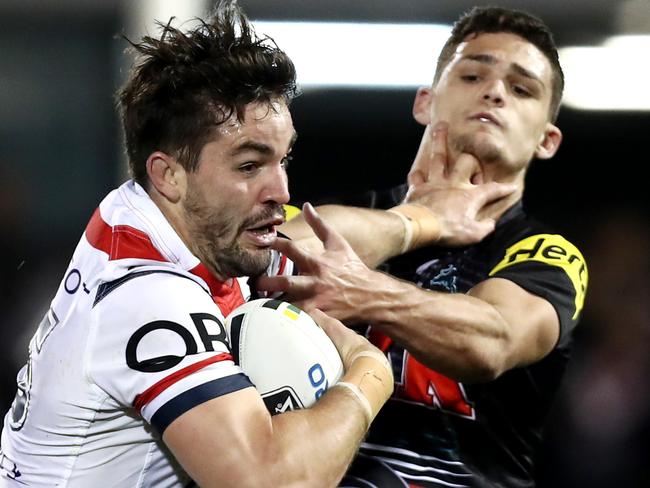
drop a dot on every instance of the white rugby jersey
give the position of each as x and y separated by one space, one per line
133 339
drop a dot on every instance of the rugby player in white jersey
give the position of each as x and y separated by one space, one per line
130 381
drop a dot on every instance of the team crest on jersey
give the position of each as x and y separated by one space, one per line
435 276
554 250
282 400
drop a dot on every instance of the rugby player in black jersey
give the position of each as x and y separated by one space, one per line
478 333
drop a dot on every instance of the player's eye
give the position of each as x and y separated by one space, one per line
469 78
248 167
521 91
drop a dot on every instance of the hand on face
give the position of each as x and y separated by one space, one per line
327 280
454 190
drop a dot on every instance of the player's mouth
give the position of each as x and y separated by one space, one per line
264 233
486 118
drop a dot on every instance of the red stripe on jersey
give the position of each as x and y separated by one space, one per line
226 297
120 241
124 241
283 264
156 389
98 233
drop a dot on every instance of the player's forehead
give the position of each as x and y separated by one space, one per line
502 50
264 127
266 118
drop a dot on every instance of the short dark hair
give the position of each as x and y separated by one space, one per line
186 84
486 20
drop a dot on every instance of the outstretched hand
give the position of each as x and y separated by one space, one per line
465 205
327 280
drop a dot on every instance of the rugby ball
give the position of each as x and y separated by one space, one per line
287 356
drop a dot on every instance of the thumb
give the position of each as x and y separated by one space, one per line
493 191
483 228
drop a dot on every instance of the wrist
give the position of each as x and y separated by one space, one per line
421 225
370 379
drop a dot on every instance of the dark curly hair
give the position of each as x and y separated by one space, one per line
186 84
486 20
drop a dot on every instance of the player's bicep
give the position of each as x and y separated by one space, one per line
223 441
532 320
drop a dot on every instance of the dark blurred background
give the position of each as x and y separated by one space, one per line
60 152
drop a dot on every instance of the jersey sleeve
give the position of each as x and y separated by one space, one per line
159 346
551 267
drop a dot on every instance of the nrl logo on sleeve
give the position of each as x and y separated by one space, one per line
554 250
282 400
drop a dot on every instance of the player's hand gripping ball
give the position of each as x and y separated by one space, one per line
287 356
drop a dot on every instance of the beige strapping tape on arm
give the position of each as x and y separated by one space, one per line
421 226
370 378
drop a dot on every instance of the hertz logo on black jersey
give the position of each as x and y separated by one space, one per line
554 250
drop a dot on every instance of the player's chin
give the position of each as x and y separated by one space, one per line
488 148
243 260
255 261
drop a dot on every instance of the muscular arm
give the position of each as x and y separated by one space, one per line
232 441
471 338
375 235
445 207
475 337
450 217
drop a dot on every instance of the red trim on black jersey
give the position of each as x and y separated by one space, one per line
379 339
156 389
120 241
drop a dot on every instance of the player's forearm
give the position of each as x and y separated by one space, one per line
233 442
314 447
375 235
458 335
325 438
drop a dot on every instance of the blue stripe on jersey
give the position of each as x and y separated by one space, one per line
189 399
106 288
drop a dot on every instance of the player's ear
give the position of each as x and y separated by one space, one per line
549 142
166 175
422 105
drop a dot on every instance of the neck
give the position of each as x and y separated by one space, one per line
173 213
497 208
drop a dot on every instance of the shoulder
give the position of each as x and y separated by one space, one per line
157 312
544 263
158 335
142 297
146 284
524 243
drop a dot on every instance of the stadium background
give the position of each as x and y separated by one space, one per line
60 152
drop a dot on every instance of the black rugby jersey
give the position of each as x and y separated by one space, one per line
438 432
